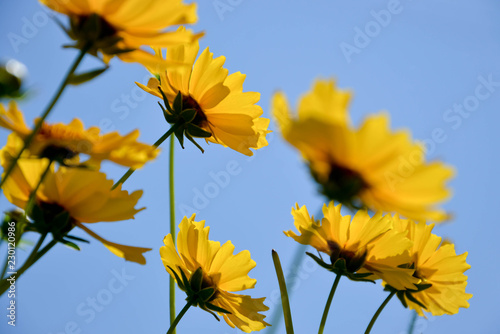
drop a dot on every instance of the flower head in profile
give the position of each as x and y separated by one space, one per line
211 273
440 269
218 108
121 27
356 247
371 166
71 197
65 141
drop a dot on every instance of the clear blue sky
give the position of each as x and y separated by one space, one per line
420 62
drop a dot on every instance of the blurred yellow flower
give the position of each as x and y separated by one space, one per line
222 273
83 194
324 102
66 141
437 265
361 243
121 27
222 108
369 167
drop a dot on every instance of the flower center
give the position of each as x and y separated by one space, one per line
343 184
51 213
93 26
200 119
353 260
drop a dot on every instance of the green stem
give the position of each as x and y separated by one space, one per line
328 303
172 226
156 144
413 321
171 330
48 109
375 316
287 313
4 285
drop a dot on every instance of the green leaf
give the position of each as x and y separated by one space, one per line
77 79
196 131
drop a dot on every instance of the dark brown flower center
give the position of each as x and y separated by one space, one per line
51 212
342 185
200 119
353 260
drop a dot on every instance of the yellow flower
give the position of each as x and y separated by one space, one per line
83 194
436 264
223 110
121 27
362 243
61 140
324 102
222 271
370 166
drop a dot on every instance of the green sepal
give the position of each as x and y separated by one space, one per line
165 100
409 295
37 215
206 294
185 282
69 244
320 261
188 136
423 286
177 279
77 239
179 133
216 308
178 104
196 280
188 115
402 299
77 79
196 131
205 308
60 221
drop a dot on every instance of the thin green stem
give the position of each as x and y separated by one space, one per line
287 313
4 285
413 321
172 225
328 303
381 307
48 109
171 330
156 144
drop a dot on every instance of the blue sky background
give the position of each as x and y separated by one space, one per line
428 57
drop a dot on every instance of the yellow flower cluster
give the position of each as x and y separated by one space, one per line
52 172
